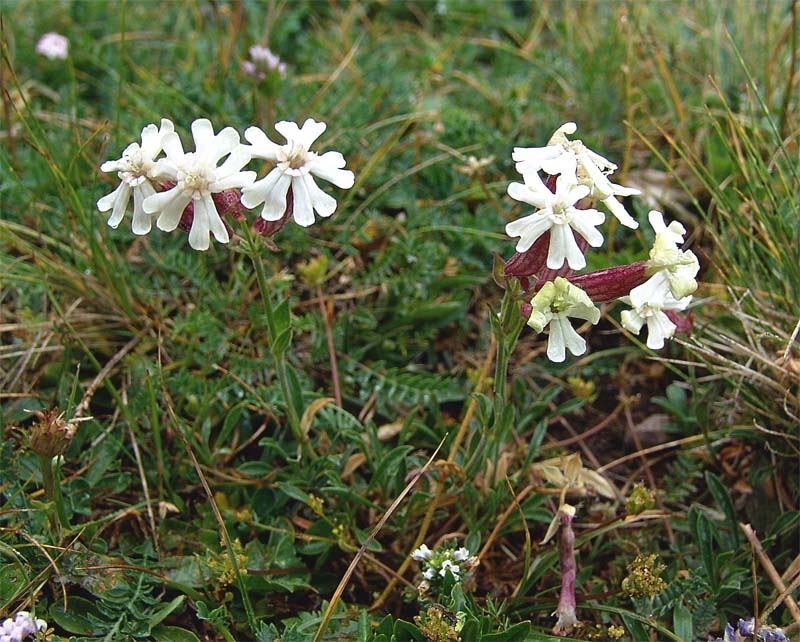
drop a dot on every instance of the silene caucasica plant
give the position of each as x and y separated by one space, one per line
206 192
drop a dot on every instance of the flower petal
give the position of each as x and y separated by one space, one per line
323 204
261 145
142 222
169 206
329 167
118 199
302 208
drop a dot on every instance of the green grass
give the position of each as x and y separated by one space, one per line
186 436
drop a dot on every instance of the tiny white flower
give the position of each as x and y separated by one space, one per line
672 271
461 555
572 159
659 325
296 167
135 171
454 568
422 553
557 214
429 574
53 46
553 304
197 176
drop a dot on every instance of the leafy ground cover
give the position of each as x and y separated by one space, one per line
184 508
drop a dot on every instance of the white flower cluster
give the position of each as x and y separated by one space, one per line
459 562
166 187
575 178
20 627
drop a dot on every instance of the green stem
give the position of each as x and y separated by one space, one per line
280 359
52 493
506 328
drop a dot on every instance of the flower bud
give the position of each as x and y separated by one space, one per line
611 283
268 229
50 435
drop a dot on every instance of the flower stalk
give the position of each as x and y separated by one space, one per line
280 337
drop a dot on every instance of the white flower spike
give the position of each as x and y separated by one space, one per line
557 214
296 167
553 304
573 160
135 169
197 176
659 326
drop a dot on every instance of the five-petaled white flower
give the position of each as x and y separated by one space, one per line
659 325
553 304
197 176
135 170
580 165
295 169
558 214
671 270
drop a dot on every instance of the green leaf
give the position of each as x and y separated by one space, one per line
517 632
13 579
282 317
173 634
682 622
77 617
635 628
281 343
405 631
703 534
720 493
163 612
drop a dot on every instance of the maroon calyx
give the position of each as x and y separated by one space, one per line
268 229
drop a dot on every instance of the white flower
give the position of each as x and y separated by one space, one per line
295 168
553 304
461 554
196 177
556 213
659 325
572 159
454 568
672 271
53 46
135 170
422 553
429 574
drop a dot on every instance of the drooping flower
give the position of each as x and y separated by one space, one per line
296 167
197 176
262 62
659 325
53 46
552 306
572 159
671 271
135 169
556 213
